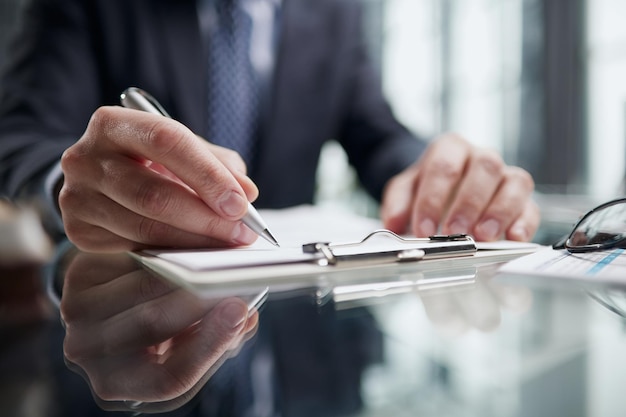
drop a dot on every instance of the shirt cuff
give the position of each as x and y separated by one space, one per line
53 221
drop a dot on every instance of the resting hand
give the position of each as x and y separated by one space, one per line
137 180
458 188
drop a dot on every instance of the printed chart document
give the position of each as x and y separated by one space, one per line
294 227
607 266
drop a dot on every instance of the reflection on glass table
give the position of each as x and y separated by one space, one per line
463 342
144 344
140 342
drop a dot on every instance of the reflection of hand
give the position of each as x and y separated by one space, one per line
137 338
479 305
462 189
136 179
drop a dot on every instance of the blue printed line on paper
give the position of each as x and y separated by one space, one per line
605 261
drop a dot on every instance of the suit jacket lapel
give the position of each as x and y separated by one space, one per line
300 25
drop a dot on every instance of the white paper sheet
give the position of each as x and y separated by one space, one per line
294 227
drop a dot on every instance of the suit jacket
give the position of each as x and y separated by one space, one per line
72 56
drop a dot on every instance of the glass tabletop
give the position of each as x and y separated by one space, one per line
93 335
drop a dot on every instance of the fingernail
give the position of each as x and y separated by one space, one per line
489 229
427 227
233 314
459 225
243 234
232 204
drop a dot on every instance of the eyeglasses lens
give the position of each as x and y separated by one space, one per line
603 227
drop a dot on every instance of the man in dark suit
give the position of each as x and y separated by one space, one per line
130 179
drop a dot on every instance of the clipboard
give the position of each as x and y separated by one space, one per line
402 250
251 269
378 256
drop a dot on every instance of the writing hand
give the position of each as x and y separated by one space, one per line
137 180
460 188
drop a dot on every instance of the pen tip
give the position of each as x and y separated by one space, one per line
270 238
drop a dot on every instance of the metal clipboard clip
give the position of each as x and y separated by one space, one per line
393 249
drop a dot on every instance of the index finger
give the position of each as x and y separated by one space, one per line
440 172
171 144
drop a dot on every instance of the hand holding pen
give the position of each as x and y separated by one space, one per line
137 180
135 98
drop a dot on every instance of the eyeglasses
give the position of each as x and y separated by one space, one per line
604 227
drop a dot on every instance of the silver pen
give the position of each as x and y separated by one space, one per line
135 98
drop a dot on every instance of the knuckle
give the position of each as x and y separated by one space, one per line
150 287
75 232
165 136
153 198
68 197
73 349
151 319
491 163
90 239
446 169
214 227
101 117
100 120
72 159
148 230
472 203
523 177
84 241
71 311
431 203
498 212
105 387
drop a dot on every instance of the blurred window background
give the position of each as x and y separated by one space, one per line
605 59
541 81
